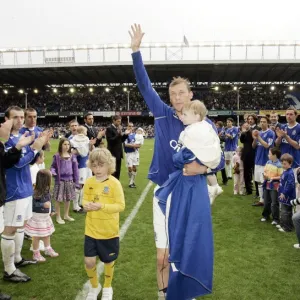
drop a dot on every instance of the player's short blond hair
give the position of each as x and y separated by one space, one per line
82 130
197 107
179 80
101 156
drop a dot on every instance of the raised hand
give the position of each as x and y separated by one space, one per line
93 141
280 133
42 140
5 129
255 134
245 127
136 35
25 139
101 133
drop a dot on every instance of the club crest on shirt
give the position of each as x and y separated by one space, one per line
106 190
294 132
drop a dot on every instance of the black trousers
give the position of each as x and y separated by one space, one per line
224 176
248 175
118 168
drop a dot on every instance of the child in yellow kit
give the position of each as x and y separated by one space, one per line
103 199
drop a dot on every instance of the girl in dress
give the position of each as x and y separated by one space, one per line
40 226
65 170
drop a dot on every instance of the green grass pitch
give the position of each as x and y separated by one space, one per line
253 261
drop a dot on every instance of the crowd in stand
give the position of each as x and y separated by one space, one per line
61 129
118 101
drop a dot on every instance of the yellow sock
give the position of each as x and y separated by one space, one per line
92 275
108 274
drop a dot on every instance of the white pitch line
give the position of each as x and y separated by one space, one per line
100 266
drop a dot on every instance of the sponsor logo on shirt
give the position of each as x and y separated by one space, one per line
174 145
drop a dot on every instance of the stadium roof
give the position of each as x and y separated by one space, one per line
160 72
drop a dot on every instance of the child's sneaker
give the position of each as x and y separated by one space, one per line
38 257
212 192
278 226
219 191
235 193
107 293
50 252
282 230
94 292
297 246
274 223
263 219
60 221
68 218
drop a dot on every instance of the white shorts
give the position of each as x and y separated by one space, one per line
132 159
17 212
160 223
1 220
259 173
89 173
83 173
229 155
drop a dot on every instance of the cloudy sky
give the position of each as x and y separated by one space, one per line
26 23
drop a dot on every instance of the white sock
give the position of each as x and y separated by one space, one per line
133 174
297 190
228 169
8 250
129 174
19 238
260 192
80 198
76 200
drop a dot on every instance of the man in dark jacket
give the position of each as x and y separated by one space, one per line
7 160
248 153
274 121
115 139
91 130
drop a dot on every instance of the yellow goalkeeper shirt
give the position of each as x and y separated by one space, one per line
103 223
